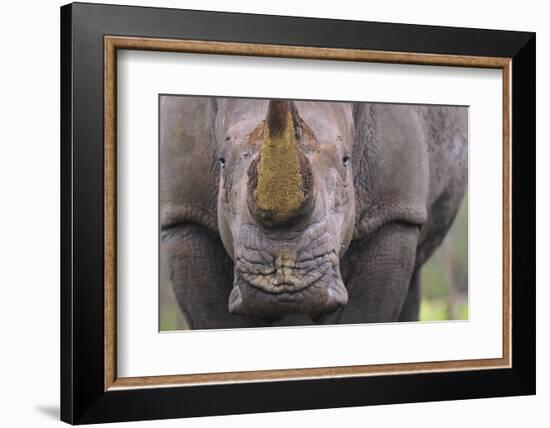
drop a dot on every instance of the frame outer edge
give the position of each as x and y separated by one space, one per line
82 401
66 164
524 215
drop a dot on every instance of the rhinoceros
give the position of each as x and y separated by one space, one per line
282 212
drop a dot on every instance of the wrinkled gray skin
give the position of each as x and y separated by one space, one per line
388 181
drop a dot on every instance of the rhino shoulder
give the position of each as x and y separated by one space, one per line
188 161
410 165
390 167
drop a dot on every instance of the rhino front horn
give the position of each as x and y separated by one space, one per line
280 180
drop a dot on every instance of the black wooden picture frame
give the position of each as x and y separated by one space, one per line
84 395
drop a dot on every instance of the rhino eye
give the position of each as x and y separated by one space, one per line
345 160
221 160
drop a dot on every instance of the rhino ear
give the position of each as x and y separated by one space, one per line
188 165
390 167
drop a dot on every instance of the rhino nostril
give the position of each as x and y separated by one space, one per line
307 175
253 175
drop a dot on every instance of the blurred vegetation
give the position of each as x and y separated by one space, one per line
444 281
170 316
444 278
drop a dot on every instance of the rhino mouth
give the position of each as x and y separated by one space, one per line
300 274
286 274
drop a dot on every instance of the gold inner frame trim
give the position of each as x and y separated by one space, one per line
113 43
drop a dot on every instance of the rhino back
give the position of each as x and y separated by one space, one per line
188 161
445 130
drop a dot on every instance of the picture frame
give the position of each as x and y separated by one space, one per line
91 391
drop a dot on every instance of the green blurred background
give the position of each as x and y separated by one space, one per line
170 317
444 281
444 278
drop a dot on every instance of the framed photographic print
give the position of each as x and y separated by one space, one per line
264 213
